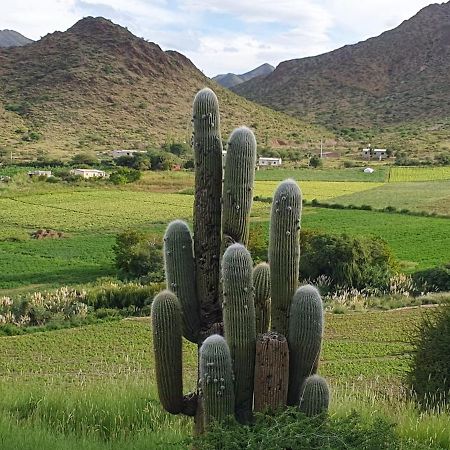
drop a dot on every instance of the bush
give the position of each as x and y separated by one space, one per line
360 263
290 429
434 279
131 297
315 161
138 254
429 376
125 176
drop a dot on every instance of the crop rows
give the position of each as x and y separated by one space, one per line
419 173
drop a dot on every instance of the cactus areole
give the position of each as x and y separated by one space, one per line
216 299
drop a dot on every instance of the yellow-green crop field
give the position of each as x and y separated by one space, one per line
320 190
419 174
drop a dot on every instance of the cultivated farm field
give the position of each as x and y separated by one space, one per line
90 218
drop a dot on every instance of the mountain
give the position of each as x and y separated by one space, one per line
97 86
230 79
396 85
11 38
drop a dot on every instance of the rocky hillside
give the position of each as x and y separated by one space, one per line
398 82
11 38
230 79
98 86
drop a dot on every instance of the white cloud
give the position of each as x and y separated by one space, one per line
223 35
360 20
37 18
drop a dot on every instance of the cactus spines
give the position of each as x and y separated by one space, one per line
284 252
180 275
305 338
216 379
239 323
315 397
271 371
261 283
207 205
166 326
238 186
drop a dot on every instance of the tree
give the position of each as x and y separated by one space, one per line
85 158
138 254
315 161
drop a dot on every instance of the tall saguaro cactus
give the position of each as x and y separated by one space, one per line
242 371
207 205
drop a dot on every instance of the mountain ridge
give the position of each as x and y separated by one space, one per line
229 80
401 76
11 38
97 86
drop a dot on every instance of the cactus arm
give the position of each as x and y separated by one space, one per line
284 252
180 275
305 338
238 186
239 324
261 283
166 327
315 397
271 372
216 380
207 205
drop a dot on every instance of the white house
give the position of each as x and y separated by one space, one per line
377 153
89 173
118 153
264 161
40 173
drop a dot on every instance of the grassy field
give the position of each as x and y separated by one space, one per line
419 174
93 387
429 196
91 217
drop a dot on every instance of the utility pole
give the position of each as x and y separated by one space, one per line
321 148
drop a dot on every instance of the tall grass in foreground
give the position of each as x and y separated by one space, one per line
125 414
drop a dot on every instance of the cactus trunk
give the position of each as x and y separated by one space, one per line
271 372
180 275
305 338
166 326
261 283
216 380
207 206
284 252
238 186
239 324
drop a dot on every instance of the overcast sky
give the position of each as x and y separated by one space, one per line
222 36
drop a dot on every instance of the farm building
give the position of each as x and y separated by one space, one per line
40 173
118 153
377 153
263 161
89 173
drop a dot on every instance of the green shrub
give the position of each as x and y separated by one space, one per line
429 375
360 263
108 297
315 161
138 254
125 176
433 279
290 429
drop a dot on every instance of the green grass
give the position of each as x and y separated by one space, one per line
431 196
94 388
419 174
353 174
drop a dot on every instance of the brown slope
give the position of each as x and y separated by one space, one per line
400 76
98 86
